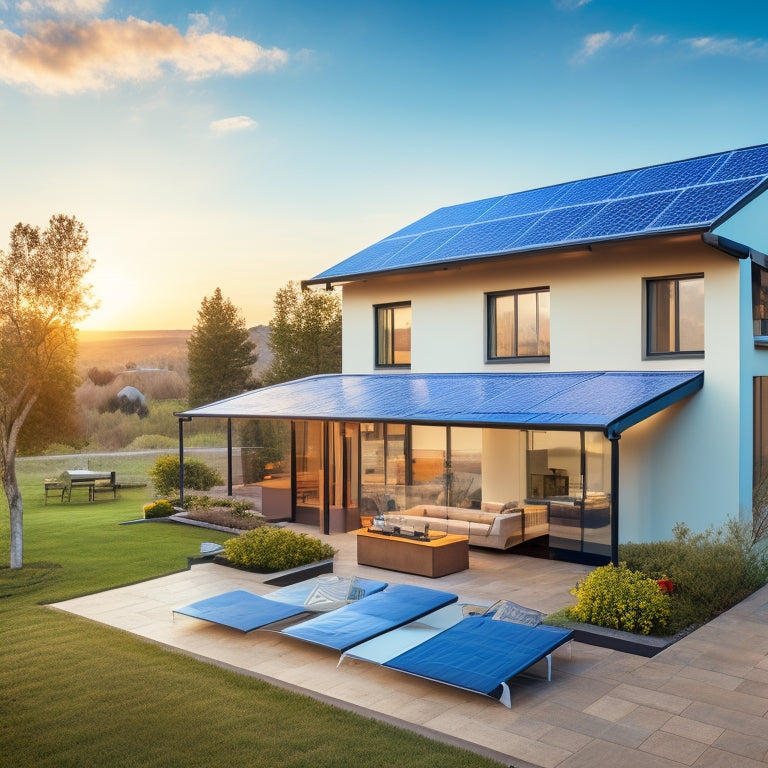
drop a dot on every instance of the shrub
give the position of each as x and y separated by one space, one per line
160 508
711 571
275 549
165 475
619 598
237 506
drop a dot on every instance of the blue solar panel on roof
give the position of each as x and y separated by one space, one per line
609 401
743 163
664 177
625 217
703 204
378 253
520 203
488 237
646 201
422 246
450 216
592 190
554 227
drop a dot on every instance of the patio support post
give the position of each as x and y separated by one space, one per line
181 462
326 479
229 457
615 499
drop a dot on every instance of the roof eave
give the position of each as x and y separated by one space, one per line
585 246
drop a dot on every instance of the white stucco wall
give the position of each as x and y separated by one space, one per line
693 461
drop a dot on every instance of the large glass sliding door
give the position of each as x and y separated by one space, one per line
571 472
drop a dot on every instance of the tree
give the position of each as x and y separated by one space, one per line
305 334
220 353
43 295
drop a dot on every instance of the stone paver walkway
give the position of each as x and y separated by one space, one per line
702 702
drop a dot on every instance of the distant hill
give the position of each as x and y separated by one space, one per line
117 350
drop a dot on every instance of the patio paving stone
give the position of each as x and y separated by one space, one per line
701 702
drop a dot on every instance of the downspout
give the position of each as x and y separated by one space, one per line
229 457
615 497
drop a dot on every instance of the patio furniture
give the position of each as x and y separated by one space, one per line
55 487
87 479
439 556
494 525
482 655
478 653
245 611
355 623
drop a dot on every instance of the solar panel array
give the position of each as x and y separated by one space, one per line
592 400
679 196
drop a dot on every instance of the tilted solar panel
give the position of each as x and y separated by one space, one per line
693 194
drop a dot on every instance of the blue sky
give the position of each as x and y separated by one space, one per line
242 145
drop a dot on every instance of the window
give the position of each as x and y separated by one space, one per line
518 324
393 335
760 300
675 315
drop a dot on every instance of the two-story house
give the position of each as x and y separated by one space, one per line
594 347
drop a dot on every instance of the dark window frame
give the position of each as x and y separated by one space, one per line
490 324
649 283
391 307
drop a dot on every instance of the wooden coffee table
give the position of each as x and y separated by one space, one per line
438 557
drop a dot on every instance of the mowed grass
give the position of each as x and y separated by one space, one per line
76 693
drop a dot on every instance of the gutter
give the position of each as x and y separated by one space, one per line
732 248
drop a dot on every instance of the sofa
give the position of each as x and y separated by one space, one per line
495 525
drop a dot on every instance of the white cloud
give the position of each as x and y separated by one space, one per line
232 124
597 41
727 46
571 5
62 7
69 56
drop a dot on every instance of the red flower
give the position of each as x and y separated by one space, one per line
665 585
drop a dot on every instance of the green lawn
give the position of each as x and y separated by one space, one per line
76 693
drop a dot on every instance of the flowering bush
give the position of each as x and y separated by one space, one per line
618 598
275 549
160 508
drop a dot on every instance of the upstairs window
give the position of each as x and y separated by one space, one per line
518 325
760 300
393 335
675 316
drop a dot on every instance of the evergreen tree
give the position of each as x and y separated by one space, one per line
220 353
304 334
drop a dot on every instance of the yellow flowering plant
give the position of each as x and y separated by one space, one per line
618 598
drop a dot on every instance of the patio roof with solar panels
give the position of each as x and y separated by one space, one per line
687 196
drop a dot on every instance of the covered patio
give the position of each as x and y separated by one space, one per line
358 445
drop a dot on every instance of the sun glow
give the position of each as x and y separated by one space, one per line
117 294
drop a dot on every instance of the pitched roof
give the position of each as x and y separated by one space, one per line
687 195
610 401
